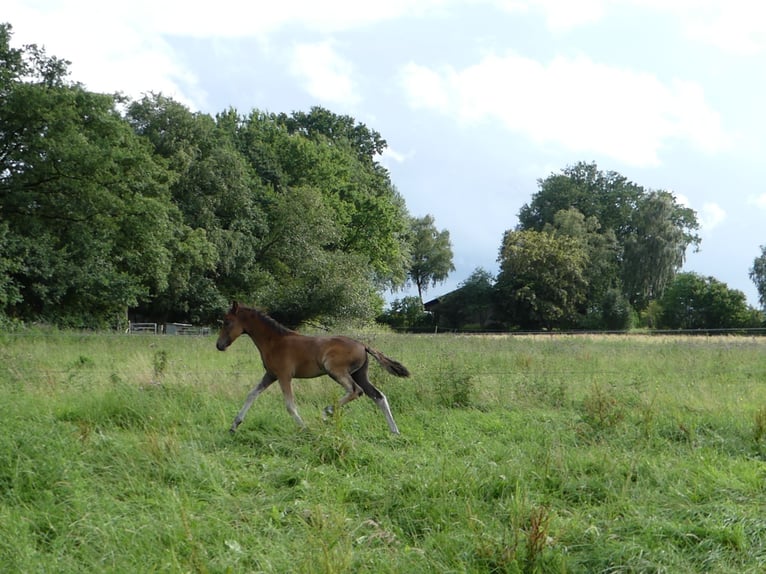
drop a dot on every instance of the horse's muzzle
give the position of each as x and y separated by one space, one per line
221 345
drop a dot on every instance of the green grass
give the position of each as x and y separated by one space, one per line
517 454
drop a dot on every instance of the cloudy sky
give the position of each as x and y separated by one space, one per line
477 99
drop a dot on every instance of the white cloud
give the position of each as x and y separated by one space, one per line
565 14
326 75
711 216
574 102
108 53
114 48
426 88
390 155
224 18
733 26
758 200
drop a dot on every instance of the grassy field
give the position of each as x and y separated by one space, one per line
517 454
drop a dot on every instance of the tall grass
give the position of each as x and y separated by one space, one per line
517 454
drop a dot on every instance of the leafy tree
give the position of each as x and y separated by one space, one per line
616 312
655 246
542 279
223 205
172 212
695 302
10 267
370 214
88 219
758 275
406 314
645 233
299 219
607 196
431 254
320 122
602 252
311 279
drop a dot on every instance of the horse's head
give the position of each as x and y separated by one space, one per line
232 328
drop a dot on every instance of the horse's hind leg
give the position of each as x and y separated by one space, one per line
353 391
361 379
251 396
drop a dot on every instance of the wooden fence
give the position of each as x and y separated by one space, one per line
167 329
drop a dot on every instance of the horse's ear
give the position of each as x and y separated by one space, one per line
234 306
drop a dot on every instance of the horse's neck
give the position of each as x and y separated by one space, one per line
263 333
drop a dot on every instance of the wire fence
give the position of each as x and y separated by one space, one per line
747 332
204 331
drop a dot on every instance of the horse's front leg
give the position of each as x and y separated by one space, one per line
287 392
251 396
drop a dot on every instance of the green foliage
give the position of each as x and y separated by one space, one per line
87 215
654 249
566 454
643 233
541 281
173 213
602 251
695 302
407 314
758 275
431 254
302 221
616 312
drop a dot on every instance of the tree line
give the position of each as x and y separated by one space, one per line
112 206
592 250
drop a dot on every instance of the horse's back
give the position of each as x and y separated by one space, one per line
314 356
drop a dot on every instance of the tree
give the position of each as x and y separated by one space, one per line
695 302
607 196
223 205
320 122
645 232
616 314
171 212
371 215
602 252
87 215
654 248
301 221
406 313
758 276
431 254
542 279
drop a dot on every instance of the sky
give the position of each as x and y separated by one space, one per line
477 99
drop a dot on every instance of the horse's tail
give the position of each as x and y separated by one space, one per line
392 366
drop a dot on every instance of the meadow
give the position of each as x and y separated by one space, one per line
569 453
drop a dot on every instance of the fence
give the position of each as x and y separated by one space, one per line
142 327
167 329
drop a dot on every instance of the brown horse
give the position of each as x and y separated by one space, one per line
287 355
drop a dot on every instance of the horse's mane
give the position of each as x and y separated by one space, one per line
271 322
